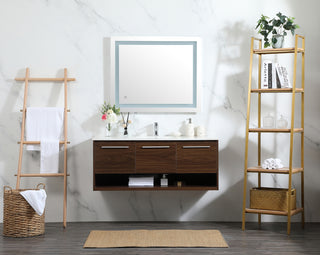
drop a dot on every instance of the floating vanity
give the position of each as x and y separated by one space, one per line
188 163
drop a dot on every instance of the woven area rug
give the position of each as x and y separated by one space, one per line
155 238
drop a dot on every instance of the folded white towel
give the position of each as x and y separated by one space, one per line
36 199
49 158
45 125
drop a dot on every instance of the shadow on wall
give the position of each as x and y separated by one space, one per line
233 49
149 205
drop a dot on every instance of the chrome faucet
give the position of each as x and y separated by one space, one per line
155 128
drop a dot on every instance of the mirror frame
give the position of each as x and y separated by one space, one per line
113 86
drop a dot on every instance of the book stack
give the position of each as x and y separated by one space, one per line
274 76
141 181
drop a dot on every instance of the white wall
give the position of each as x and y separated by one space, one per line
50 35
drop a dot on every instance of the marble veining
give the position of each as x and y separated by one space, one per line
49 35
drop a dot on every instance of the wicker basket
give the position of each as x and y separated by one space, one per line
19 218
271 199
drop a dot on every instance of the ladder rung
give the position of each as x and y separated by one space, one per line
45 79
38 142
21 110
43 175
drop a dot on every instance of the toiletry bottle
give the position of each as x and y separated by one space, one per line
282 122
189 128
164 181
200 131
268 121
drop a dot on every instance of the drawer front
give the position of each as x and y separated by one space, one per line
114 157
197 157
155 157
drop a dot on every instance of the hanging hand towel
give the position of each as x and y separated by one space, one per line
36 199
49 158
43 123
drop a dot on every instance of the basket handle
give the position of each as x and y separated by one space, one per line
41 186
8 188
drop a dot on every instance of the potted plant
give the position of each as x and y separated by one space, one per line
278 27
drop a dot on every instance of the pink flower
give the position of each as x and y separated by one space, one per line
104 116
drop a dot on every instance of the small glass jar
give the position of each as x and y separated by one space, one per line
268 121
282 122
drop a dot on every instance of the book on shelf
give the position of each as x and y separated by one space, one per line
266 74
278 82
283 76
274 75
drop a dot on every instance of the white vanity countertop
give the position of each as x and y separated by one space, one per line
153 138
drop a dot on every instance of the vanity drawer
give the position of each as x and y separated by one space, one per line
114 157
155 157
197 157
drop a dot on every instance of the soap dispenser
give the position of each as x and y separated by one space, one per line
189 128
164 181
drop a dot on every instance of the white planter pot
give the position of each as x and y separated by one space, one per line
277 41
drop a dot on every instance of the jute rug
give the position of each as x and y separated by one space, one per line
155 238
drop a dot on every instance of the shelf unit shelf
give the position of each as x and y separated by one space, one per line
284 170
275 130
278 51
272 212
289 170
282 90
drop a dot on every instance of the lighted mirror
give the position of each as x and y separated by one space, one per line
155 74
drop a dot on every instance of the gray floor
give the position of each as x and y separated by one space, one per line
270 238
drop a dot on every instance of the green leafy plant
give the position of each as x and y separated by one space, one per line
276 26
107 106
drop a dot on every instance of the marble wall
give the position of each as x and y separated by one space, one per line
48 35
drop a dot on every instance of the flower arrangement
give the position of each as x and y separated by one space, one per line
109 114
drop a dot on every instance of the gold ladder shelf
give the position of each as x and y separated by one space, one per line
22 142
292 130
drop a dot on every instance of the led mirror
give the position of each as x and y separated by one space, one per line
155 74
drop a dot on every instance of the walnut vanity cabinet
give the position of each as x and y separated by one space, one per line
114 157
200 156
188 164
155 157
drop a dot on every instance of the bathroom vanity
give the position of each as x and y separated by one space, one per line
188 163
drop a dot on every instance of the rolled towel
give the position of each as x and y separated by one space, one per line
272 163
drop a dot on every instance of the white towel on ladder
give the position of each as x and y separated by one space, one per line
49 158
45 125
